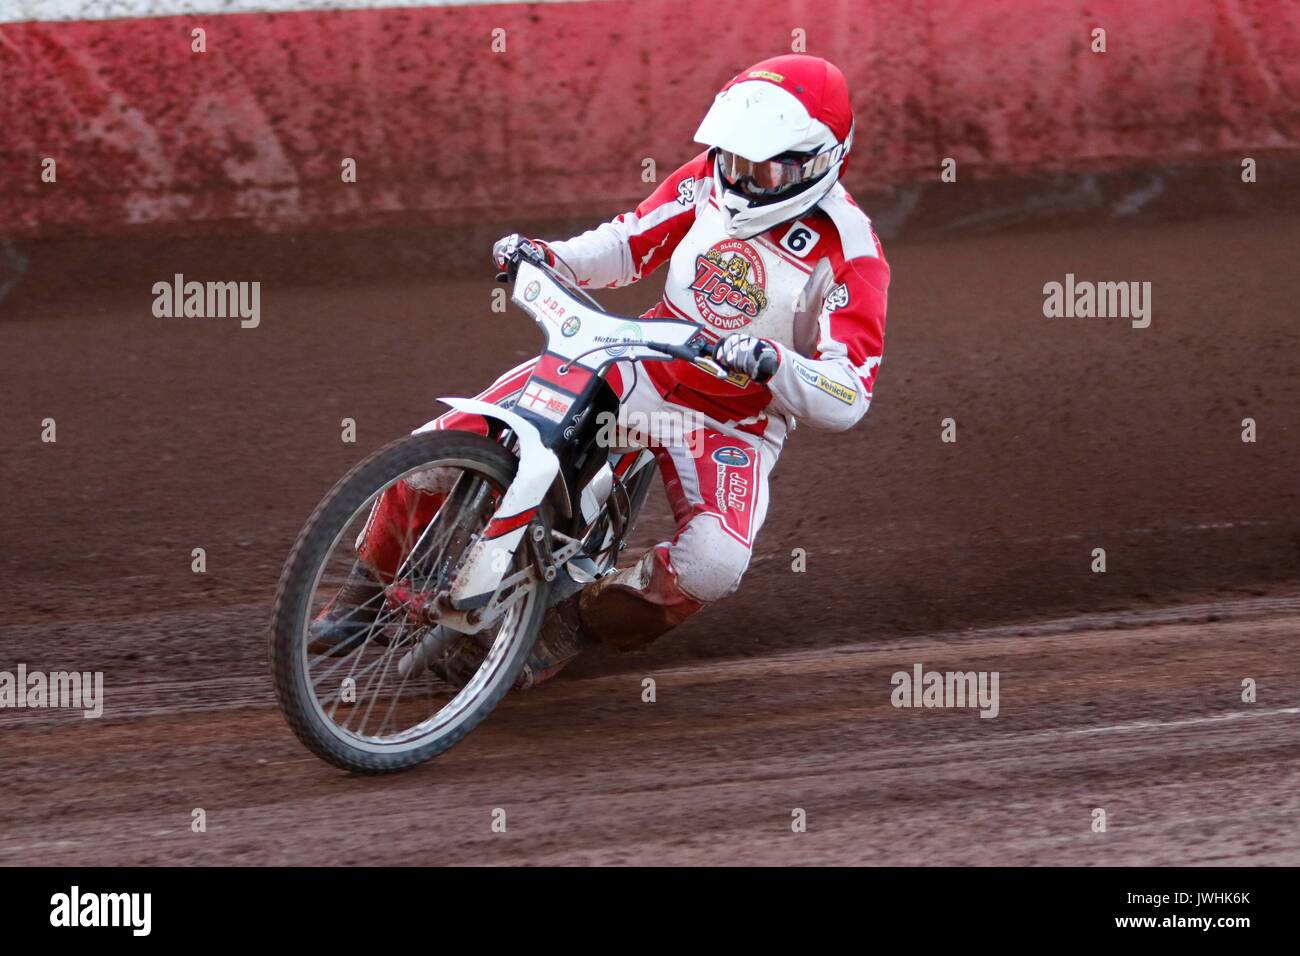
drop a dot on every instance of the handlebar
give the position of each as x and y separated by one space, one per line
701 348
767 365
687 353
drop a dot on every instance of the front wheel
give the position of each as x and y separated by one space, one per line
361 705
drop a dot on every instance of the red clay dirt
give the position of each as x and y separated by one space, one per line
1072 434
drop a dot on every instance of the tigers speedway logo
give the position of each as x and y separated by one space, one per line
729 285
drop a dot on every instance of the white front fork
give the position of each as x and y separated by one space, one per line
493 554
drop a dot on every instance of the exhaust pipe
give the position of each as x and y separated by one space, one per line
433 645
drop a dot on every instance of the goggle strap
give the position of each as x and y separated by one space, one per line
818 164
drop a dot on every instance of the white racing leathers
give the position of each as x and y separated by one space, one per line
814 287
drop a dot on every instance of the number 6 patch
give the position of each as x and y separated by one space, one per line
800 239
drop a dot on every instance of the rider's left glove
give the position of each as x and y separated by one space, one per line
506 250
739 352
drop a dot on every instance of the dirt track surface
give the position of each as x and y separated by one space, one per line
1144 722
1072 435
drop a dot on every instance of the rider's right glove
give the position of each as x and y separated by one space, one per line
506 250
755 357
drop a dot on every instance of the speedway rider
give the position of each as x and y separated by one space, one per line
768 253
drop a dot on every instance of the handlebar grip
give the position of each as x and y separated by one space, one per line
526 250
767 365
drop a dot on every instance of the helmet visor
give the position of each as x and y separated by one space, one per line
771 176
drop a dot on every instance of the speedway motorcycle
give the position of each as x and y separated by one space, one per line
534 510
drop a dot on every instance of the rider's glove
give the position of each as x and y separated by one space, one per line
506 250
755 357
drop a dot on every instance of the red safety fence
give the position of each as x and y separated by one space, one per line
148 135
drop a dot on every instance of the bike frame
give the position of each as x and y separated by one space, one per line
582 342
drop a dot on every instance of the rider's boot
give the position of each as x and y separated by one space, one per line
350 614
560 639
624 610
630 608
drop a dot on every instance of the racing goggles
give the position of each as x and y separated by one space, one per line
776 175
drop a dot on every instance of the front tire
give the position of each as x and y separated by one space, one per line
480 470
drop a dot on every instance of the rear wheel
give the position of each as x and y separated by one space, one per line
362 706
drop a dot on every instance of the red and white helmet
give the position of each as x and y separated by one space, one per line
780 133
